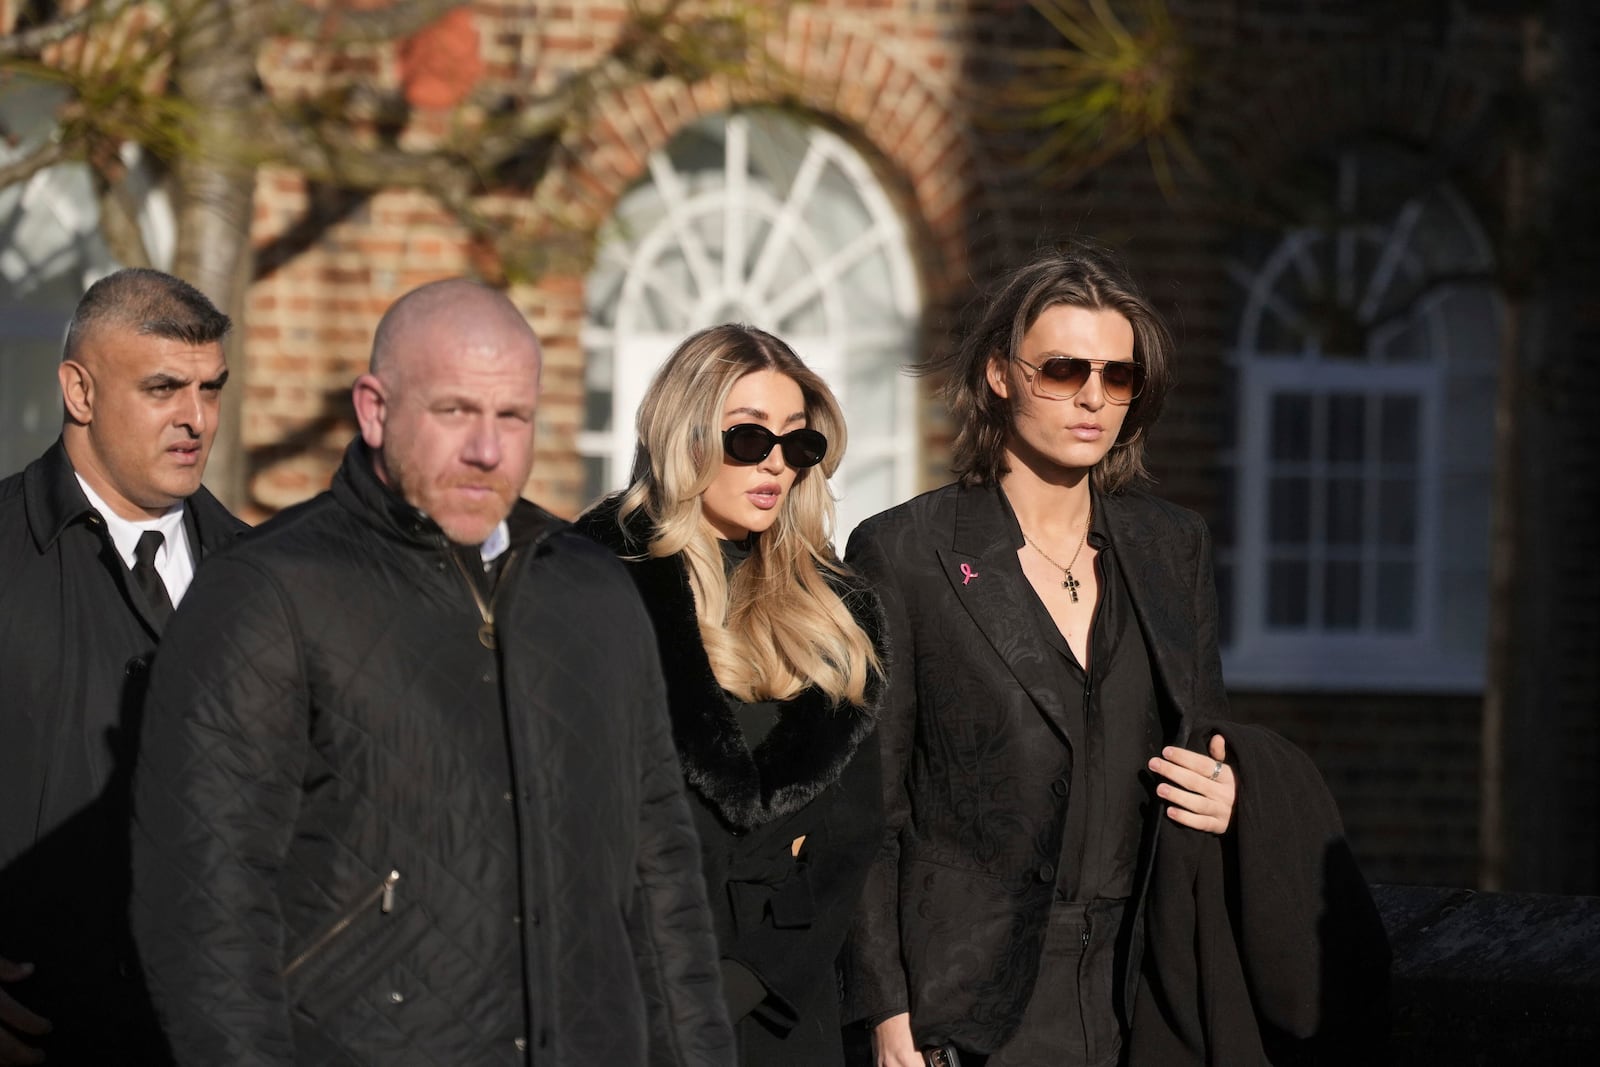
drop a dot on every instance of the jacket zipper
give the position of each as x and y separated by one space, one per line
382 895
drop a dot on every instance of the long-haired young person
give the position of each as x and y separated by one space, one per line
1068 849
772 653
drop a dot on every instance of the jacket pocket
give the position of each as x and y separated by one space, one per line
354 949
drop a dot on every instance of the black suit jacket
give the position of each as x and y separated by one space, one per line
978 764
1261 943
76 641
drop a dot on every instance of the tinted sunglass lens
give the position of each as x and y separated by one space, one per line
1123 380
804 448
1065 373
748 443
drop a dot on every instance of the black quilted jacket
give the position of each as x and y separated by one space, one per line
363 837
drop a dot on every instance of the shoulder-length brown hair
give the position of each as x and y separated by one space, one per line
1079 275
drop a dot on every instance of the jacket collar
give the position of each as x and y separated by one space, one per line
52 496
54 500
813 740
982 568
357 487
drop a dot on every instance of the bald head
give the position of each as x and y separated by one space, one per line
470 314
447 404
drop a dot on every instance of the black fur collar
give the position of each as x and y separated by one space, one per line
813 740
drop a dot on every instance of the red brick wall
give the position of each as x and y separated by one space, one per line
885 75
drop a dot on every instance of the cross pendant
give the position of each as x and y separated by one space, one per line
1071 585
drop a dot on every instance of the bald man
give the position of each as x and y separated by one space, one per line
99 537
410 795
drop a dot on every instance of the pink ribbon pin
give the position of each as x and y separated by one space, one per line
967 573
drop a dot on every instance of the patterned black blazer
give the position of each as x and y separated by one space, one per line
977 768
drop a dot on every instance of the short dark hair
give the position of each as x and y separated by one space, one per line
149 302
1077 275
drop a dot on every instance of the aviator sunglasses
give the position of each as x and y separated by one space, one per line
1062 376
749 442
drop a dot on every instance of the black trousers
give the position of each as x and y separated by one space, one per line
1072 1017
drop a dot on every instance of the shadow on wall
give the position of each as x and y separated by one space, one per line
297 465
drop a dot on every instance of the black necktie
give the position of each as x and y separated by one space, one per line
148 580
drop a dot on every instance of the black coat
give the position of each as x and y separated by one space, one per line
1264 945
76 639
816 774
326 713
975 740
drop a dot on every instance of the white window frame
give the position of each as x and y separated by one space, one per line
630 351
1366 658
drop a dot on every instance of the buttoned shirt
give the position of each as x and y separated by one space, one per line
174 559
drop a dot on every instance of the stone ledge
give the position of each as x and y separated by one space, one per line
1492 978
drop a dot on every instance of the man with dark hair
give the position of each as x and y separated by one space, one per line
407 791
99 537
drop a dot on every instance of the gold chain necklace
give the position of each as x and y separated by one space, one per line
486 635
1069 583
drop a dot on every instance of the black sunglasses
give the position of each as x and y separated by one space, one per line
1063 376
749 442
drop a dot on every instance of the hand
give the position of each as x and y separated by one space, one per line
14 1016
893 1045
1195 798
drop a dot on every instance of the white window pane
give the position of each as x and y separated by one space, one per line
1291 427
1347 428
1399 426
1396 596
1288 603
1341 595
1289 511
1397 512
1344 520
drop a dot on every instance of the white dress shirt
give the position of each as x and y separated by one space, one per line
174 559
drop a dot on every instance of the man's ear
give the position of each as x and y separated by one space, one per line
77 391
372 408
997 372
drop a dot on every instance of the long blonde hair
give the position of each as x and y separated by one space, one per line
778 626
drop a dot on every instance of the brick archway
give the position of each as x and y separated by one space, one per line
921 145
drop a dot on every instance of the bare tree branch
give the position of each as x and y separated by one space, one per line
119 221
30 42
399 19
20 170
327 151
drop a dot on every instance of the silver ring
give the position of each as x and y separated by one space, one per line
1216 772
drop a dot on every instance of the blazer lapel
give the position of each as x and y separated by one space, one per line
982 568
1162 601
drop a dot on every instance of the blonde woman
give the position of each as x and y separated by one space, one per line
772 652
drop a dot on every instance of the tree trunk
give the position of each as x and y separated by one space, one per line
214 189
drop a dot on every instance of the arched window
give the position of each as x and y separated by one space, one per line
1357 552
758 218
50 252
